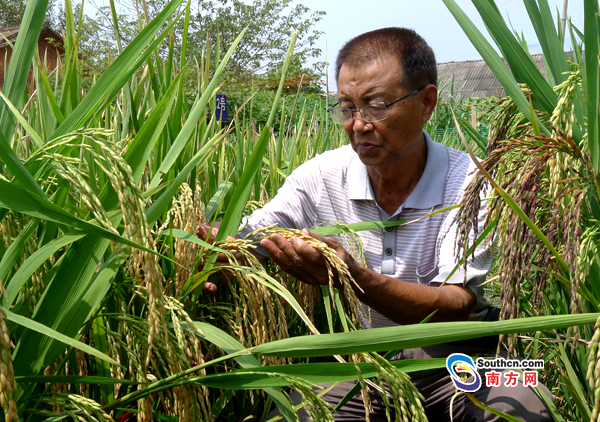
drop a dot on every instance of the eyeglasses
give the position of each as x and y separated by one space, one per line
374 112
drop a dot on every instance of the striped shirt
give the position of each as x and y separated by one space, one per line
335 187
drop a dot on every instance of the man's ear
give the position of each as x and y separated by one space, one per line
429 96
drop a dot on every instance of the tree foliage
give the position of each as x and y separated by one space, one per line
11 12
215 23
270 24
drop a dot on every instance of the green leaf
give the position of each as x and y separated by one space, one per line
215 201
547 35
33 262
592 85
49 332
574 386
493 411
180 234
18 199
230 345
339 228
145 140
15 249
493 59
198 112
16 167
75 379
117 74
316 373
520 62
231 220
15 80
411 336
30 131
556 416
163 203
479 139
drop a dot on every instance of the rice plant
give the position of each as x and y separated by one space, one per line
542 161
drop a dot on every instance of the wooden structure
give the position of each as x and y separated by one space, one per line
50 47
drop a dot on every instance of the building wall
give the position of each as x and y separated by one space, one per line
47 52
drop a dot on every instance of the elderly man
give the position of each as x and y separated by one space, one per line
393 170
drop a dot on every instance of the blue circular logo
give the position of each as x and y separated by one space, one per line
457 364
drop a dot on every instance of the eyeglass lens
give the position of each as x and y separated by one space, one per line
370 113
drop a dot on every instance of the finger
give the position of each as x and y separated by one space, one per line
209 288
205 233
285 246
274 251
306 251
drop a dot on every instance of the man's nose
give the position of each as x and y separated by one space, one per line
360 125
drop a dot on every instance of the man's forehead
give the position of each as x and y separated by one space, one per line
369 80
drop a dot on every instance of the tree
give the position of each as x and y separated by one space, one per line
270 24
12 12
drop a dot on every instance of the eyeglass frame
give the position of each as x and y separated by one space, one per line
358 110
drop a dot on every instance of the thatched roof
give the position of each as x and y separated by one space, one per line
11 32
473 78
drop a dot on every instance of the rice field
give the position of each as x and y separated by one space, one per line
104 182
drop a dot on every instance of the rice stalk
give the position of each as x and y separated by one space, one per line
549 178
593 371
8 385
186 213
10 227
259 314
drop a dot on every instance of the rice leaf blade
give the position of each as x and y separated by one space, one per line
231 220
198 111
592 86
411 336
113 79
15 82
49 332
519 61
231 345
493 60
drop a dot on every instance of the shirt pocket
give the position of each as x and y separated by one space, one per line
425 275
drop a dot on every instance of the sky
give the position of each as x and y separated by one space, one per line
431 19
346 19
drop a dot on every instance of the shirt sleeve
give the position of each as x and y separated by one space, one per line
294 206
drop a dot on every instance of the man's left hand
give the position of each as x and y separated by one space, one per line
302 261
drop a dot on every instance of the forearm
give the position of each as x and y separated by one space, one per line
409 303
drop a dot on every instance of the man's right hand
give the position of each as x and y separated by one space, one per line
209 233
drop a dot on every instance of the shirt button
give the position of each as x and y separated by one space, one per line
389 252
389 229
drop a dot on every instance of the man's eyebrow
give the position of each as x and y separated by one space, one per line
376 94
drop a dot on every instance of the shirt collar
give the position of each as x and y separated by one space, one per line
429 191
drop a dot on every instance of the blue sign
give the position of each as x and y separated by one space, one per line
221 109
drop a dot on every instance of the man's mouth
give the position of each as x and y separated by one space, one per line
367 147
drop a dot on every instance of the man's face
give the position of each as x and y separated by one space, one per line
387 143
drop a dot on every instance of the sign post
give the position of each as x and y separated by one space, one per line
221 108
